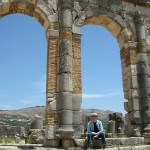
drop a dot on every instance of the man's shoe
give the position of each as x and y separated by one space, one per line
104 146
89 146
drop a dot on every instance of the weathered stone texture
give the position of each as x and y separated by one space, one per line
128 21
129 56
51 117
52 65
12 131
77 66
148 58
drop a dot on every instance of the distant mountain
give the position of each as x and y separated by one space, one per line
30 112
25 113
6 116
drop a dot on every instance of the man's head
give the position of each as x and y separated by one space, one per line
94 117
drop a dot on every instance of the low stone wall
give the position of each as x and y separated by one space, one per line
112 142
12 131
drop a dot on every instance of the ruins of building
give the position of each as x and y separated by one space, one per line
128 21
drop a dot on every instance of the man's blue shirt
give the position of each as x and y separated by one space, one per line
90 128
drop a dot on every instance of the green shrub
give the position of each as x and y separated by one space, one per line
9 140
29 141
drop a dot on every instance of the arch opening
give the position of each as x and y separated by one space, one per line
101 70
102 88
23 62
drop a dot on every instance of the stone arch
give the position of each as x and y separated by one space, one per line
124 31
43 12
62 20
46 14
121 30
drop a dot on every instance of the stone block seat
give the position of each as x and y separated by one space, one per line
112 142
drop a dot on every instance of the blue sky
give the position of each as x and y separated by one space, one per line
23 54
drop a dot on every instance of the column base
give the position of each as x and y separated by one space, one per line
51 143
146 138
147 128
67 143
146 134
133 130
65 132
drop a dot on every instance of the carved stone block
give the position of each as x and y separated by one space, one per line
65 117
65 64
77 117
64 101
134 104
64 83
66 18
76 102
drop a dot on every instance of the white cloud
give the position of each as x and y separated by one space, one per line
87 96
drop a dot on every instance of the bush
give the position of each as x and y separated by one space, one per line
28 140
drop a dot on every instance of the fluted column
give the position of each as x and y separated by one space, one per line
65 59
143 73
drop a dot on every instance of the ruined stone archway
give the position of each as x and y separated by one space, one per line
128 21
129 29
47 15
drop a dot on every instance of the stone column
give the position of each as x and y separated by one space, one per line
131 88
143 74
65 83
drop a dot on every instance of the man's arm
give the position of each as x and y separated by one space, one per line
89 129
101 126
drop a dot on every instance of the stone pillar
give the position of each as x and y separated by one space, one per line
111 128
77 87
37 122
65 71
119 122
143 74
131 88
51 87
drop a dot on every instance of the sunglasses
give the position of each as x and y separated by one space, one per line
94 116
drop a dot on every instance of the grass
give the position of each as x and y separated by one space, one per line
7 140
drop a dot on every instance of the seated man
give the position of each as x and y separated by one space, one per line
95 130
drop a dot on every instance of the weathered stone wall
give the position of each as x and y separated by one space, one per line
12 131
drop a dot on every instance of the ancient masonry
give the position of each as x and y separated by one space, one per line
128 21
